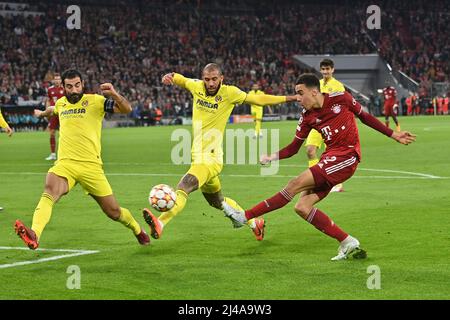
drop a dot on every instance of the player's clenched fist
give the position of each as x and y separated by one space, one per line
167 79
265 159
108 90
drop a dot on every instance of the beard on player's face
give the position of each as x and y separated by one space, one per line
74 97
213 89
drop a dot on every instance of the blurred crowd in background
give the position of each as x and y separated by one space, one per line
133 43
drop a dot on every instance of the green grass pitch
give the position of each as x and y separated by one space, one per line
397 205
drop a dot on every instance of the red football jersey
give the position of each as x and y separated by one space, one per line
390 95
54 93
336 122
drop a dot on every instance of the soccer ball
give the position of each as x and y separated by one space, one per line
162 197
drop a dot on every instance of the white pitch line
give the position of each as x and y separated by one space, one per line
74 253
430 176
414 175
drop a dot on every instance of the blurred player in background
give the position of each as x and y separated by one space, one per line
54 92
328 84
4 125
213 103
79 156
257 111
338 163
390 106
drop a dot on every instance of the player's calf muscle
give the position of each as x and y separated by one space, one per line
214 199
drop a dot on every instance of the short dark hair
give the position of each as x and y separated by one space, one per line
213 66
71 74
310 80
327 63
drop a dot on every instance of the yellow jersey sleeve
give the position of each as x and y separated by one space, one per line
100 103
187 83
3 123
236 95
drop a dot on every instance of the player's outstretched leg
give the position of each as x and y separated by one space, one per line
55 187
322 222
112 209
157 224
187 184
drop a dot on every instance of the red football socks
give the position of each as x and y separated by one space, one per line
52 144
279 200
323 223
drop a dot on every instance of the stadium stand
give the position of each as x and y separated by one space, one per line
132 43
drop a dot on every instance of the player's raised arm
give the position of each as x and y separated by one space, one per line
46 113
172 78
267 99
121 105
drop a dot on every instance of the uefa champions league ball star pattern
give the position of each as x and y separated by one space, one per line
162 197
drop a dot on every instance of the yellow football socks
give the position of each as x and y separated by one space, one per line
126 218
42 214
257 127
179 205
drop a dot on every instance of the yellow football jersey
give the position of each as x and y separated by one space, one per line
209 116
332 85
257 107
3 123
80 128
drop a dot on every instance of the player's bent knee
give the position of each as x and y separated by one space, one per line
55 191
311 152
189 183
302 210
295 186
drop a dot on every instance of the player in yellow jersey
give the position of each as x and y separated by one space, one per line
79 156
213 102
257 111
314 142
4 125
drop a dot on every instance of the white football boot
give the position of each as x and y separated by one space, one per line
237 217
52 156
349 246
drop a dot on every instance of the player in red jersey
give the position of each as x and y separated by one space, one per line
390 106
334 116
54 93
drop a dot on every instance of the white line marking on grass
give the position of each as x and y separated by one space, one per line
71 253
425 175
412 175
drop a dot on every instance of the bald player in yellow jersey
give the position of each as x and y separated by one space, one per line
315 141
213 103
257 111
4 125
79 156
